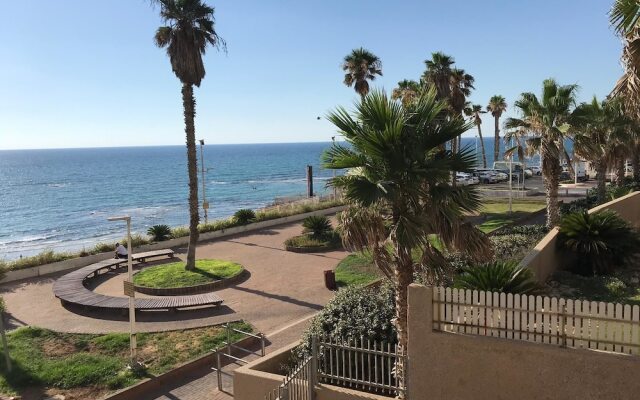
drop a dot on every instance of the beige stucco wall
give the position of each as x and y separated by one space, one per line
544 259
455 366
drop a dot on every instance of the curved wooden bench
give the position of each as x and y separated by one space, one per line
71 289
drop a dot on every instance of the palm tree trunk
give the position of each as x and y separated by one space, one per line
403 277
484 154
601 179
551 171
496 142
620 170
189 105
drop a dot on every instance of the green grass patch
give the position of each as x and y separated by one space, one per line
175 275
496 213
64 361
356 269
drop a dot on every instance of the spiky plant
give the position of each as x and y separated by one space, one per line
244 216
360 67
159 233
498 276
600 241
317 225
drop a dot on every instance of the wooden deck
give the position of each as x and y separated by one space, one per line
71 289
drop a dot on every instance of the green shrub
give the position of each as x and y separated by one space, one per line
599 242
317 225
328 240
179 231
218 225
159 233
244 216
498 276
45 257
355 312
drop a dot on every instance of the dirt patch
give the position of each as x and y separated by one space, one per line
58 348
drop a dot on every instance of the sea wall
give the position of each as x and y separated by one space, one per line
79 262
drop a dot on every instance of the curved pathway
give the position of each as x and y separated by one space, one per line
283 287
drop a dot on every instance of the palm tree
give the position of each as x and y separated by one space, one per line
438 74
407 91
400 191
361 66
461 86
546 120
189 30
474 112
601 137
497 105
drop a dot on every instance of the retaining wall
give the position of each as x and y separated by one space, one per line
79 262
545 258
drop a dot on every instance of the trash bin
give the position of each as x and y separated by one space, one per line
330 279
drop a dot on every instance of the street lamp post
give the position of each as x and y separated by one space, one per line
511 180
335 191
205 205
129 291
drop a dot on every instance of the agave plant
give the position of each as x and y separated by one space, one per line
498 276
317 225
244 216
600 241
159 233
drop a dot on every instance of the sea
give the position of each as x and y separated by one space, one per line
60 199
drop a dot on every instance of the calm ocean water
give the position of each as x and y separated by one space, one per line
60 199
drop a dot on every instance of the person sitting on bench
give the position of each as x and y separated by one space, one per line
121 251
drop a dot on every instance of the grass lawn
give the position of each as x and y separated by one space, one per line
496 212
174 274
87 366
356 269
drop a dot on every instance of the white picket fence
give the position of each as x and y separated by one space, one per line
564 322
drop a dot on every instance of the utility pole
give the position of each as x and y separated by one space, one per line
205 205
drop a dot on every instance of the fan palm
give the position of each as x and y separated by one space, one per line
497 105
601 136
498 276
361 66
545 119
399 189
438 74
407 91
189 30
461 86
625 19
474 112
519 136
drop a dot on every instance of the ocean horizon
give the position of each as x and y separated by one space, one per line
60 199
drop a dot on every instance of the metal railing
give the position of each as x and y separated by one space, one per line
298 384
230 346
361 364
358 364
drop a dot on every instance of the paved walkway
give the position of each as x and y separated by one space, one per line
283 288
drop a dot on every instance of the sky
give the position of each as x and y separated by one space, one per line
86 73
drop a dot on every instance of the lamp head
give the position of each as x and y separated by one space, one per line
202 142
120 218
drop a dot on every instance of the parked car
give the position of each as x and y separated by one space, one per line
462 179
485 176
473 180
536 170
500 176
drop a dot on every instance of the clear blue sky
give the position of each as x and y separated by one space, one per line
85 73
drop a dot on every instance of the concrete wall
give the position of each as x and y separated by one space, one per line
456 366
80 262
545 259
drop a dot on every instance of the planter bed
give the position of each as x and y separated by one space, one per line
195 289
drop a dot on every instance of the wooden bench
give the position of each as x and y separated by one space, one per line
71 288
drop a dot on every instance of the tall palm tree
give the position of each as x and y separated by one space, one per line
461 86
545 119
519 135
602 135
438 74
400 191
407 91
497 105
474 112
188 31
361 66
